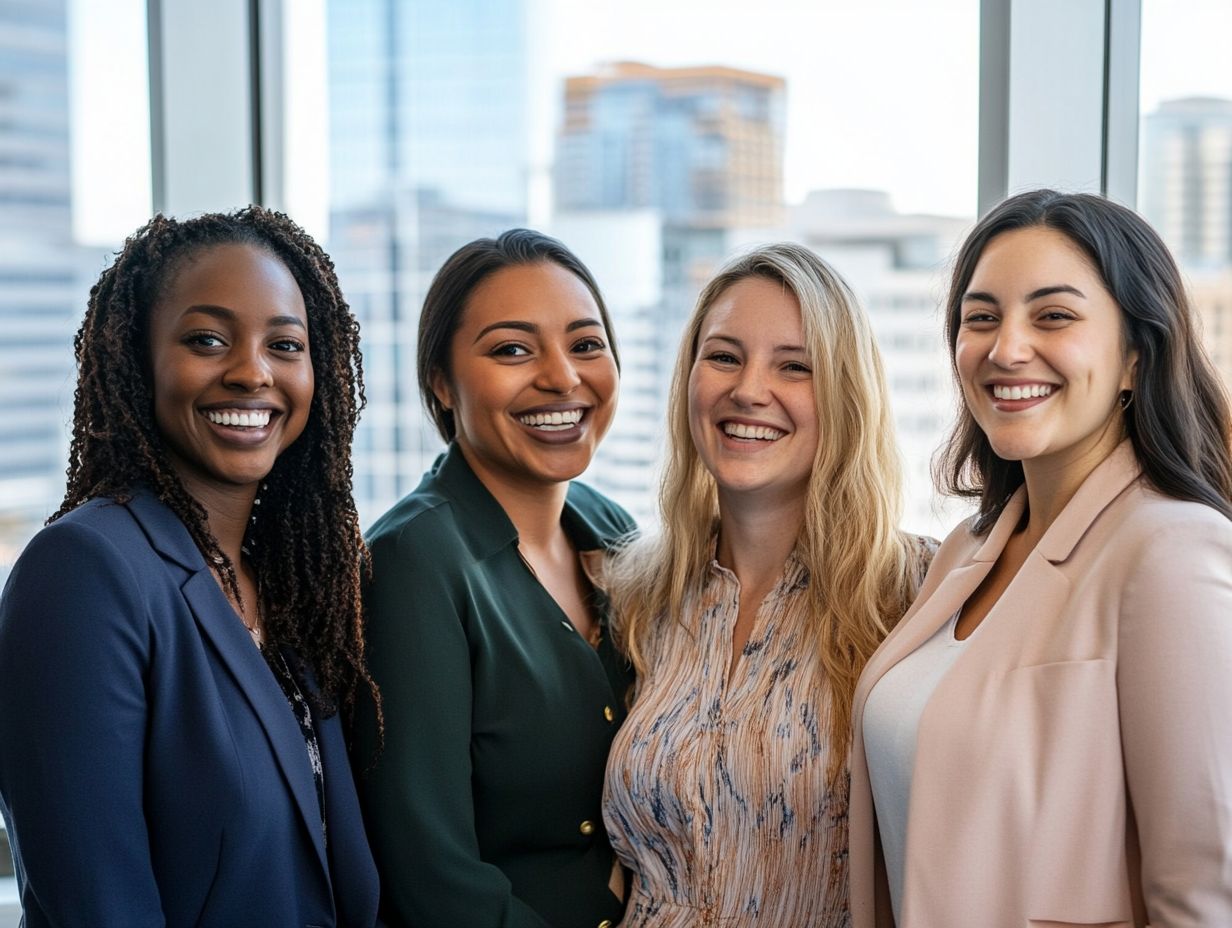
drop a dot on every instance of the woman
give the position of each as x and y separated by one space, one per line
501 687
779 568
172 654
1044 739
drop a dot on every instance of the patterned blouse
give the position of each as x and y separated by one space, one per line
716 792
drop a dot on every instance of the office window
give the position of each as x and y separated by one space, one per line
1185 177
654 139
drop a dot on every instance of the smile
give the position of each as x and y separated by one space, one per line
1029 391
552 421
751 432
240 418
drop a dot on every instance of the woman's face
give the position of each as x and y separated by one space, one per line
233 379
533 379
1040 350
752 413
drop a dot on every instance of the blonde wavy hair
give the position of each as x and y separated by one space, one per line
862 568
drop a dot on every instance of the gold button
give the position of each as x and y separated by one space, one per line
606 923
587 828
609 713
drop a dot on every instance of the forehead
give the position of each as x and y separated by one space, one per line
236 277
1034 256
752 308
542 294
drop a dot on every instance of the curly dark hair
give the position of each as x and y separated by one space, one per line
306 547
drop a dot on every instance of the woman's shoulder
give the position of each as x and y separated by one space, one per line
607 520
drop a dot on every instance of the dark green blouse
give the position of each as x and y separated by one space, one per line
484 808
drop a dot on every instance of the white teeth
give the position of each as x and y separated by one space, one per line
236 418
1021 393
761 432
552 421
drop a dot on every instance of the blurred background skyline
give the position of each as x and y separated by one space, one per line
654 138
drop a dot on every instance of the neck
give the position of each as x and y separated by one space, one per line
1052 481
534 508
756 536
228 510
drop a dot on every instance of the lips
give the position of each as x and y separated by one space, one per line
552 421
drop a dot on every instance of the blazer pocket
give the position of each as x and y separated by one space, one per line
1072 793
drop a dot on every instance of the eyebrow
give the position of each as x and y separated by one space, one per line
739 344
983 297
227 315
520 326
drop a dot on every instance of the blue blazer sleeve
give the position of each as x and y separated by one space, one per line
74 648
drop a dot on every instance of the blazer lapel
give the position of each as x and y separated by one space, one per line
932 610
222 628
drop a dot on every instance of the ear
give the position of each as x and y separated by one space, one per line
441 389
1130 374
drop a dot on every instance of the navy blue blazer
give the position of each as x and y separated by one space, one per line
151 770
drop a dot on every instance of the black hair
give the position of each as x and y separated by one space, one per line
453 285
1178 419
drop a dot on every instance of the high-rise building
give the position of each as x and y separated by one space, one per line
430 147
703 145
40 294
1187 196
660 173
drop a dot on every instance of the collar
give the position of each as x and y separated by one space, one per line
166 533
1102 486
484 523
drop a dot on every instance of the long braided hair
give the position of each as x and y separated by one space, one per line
305 546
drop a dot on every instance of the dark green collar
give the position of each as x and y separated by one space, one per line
484 523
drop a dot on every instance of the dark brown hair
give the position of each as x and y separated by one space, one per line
1179 419
306 545
453 285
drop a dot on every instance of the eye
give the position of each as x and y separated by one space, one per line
203 340
589 345
288 345
509 350
1057 316
797 367
722 357
979 318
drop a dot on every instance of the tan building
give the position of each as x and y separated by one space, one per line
702 145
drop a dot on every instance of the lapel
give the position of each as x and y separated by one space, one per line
221 627
1047 584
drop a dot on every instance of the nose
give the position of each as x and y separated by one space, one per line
248 368
557 372
752 386
1012 345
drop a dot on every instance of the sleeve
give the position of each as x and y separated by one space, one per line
73 653
417 796
1174 680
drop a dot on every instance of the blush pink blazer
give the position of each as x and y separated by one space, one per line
1074 767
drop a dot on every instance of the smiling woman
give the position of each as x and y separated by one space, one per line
487 631
1037 736
779 568
176 645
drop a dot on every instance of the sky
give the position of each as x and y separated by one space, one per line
881 93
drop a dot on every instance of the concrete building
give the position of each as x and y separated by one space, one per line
41 292
1187 196
703 145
